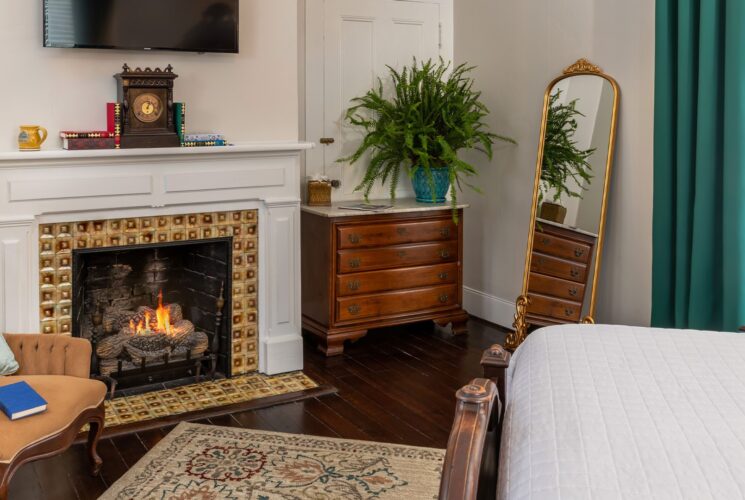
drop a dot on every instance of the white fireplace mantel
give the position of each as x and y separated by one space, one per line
66 186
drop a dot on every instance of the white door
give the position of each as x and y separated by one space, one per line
360 38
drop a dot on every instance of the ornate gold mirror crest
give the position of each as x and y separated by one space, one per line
570 195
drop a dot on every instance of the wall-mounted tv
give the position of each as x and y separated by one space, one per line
185 25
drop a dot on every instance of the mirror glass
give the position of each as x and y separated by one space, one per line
573 167
576 152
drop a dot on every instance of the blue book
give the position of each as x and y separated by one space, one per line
20 400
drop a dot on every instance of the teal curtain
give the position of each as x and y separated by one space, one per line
699 165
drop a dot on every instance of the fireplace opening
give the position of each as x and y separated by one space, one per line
157 315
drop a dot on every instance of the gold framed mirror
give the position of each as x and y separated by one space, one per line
570 201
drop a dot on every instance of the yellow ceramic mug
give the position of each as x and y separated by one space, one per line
31 137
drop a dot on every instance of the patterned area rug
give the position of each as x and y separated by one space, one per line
204 395
209 463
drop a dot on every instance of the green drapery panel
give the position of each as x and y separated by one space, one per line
699 165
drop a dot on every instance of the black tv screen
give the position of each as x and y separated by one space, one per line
188 25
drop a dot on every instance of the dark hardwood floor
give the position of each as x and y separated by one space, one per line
395 385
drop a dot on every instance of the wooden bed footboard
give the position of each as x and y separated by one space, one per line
471 460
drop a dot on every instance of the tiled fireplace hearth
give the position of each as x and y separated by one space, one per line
93 242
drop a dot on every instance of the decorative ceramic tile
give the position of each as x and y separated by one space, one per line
208 394
57 241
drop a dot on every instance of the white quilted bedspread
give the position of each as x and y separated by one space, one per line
625 412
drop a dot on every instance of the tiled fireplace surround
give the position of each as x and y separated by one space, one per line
54 202
57 242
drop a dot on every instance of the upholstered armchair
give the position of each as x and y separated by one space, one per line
58 368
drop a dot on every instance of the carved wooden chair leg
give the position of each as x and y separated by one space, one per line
96 427
4 480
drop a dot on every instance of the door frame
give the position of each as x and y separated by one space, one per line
311 73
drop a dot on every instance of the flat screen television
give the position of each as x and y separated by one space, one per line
185 25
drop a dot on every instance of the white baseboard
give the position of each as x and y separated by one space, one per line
489 307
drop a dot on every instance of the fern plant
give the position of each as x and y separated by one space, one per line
431 114
562 159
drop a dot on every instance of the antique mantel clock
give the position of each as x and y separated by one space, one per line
147 107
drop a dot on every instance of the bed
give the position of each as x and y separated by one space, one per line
596 411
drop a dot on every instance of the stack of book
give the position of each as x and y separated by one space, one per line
200 140
97 139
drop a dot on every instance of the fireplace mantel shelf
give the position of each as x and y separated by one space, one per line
62 157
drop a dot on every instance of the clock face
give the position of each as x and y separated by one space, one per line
147 107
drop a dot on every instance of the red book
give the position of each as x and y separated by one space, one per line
97 143
114 121
93 134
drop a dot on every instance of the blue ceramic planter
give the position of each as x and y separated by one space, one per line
422 188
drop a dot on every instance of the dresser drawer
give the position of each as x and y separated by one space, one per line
562 310
395 279
556 287
560 247
400 233
560 268
386 304
352 261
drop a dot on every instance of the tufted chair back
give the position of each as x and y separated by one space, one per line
50 354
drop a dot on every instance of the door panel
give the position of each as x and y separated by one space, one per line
362 37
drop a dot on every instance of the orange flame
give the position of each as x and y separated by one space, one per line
164 316
162 321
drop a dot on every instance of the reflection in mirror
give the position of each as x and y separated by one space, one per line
569 201
576 151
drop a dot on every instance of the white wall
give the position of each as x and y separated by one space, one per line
251 96
519 47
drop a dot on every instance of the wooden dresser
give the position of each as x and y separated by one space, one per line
368 270
559 273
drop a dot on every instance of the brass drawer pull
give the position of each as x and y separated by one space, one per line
354 285
579 252
568 312
444 298
444 254
354 309
445 232
574 273
401 253
355 263
546 241
401 231
443 276
354 239
573 292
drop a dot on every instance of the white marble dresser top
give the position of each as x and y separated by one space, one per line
399 206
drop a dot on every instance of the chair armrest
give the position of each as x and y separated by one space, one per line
39 354
474 418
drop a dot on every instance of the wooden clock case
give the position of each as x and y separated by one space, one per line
160 133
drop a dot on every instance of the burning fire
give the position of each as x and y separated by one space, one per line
148 326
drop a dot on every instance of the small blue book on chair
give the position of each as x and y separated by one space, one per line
20 400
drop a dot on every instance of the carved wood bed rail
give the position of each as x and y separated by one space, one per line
471 460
